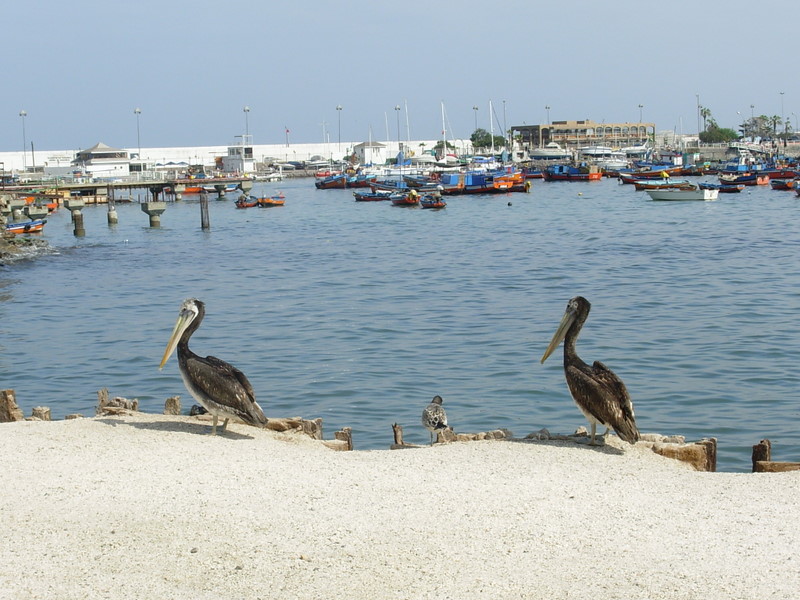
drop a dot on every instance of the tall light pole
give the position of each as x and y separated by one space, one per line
24 114
137 111
784 124
246 111
339 114
641 106
698 117
547 108
475 109
397 112
752 115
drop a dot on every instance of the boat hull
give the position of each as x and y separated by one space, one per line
673 194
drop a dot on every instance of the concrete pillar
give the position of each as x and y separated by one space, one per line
74 205
154 210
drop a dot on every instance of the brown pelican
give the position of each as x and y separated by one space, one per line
597 391
433 417
221 388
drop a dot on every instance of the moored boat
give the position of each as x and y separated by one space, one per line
268 201
745 178
782 184
432 201
673 194
653 184
723 188
33 226
376 196
332 182
246 202
570 173
409 199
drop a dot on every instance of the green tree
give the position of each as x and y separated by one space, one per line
705 114
481 138
714 134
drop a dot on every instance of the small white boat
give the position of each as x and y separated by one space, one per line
677 194
551 151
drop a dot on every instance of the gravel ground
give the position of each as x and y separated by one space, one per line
150 507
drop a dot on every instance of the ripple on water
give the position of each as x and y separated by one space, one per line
361 313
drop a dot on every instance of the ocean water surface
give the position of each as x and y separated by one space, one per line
360 313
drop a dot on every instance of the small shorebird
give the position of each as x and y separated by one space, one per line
221 388
434 418
598 392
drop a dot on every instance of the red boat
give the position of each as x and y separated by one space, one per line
409 199
782 184
244 202
432 201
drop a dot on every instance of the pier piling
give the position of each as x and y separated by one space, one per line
154 210
74 205
112 207
205 223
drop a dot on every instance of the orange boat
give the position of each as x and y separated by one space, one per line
271 201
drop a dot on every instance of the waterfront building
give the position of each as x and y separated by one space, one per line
573 135
370 153
103 161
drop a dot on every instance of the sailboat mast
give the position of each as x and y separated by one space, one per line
491 125
444 135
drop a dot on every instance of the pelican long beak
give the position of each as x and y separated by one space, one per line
184 318
566 322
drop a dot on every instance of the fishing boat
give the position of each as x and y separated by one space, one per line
409 199
673 194
653 184
334 182
782 184
268 201
34 226
745 178
376 196
245 202
432 201
654 173
570 173
723 188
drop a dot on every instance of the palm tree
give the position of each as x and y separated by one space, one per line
705 113
774 120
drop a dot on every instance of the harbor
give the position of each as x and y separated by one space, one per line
324 343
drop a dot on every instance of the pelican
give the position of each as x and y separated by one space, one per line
433 417
221 388
597 391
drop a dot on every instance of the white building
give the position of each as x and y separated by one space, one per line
370 153
101 161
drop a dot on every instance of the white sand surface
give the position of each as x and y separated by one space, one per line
151 507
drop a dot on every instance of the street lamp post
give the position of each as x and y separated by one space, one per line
698 117
475 109
782 117
246 111
24 114
547 108
641 106
397 112
339 114
137 111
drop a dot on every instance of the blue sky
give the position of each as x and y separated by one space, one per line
80 68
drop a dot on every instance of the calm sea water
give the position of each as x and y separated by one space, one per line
360 313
